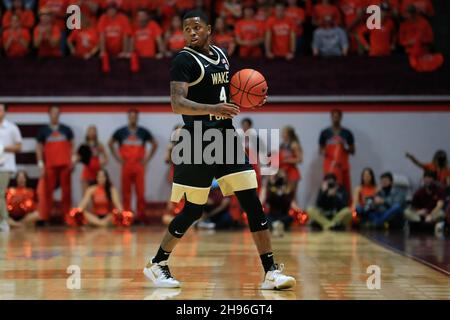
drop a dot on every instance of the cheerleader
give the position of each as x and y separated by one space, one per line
103 201
21 203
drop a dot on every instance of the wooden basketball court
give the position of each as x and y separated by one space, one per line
210 265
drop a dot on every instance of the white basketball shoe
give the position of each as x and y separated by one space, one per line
276 280
159 274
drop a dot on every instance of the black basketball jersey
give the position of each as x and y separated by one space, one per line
208 78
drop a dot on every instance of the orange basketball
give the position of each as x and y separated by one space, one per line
248 88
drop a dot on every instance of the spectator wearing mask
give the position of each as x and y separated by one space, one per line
278 198
280 38
26 16
21 202
84 43
387 206
427 206
364 194
329 40
331 210
16 40
439 165
47 36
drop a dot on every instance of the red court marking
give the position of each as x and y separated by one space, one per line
288 107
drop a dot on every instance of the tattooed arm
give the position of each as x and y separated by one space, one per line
182 105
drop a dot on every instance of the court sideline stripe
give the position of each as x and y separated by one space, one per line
403 253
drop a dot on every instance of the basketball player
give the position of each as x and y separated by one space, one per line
201 99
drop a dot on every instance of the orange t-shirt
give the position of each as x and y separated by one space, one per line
176 41
249 29
422 5
297 15
322 10
145 39
419 30
46 49
115 29
350 10
366 192
223 40
84 40
281 30
380 39
26 18
16 49
442 174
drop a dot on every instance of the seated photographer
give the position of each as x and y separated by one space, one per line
331 210
279 194
386 207
21 203
216 212
427 206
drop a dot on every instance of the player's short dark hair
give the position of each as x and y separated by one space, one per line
196 14
338 111
387 175
330 176
133 110
248 120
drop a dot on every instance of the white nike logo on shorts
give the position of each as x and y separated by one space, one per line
176 232
264 223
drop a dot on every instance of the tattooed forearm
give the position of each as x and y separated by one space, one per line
180 104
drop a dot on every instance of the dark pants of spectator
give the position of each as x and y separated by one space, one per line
285 219
379 218
222 220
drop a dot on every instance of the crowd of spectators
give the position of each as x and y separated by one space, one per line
248 29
